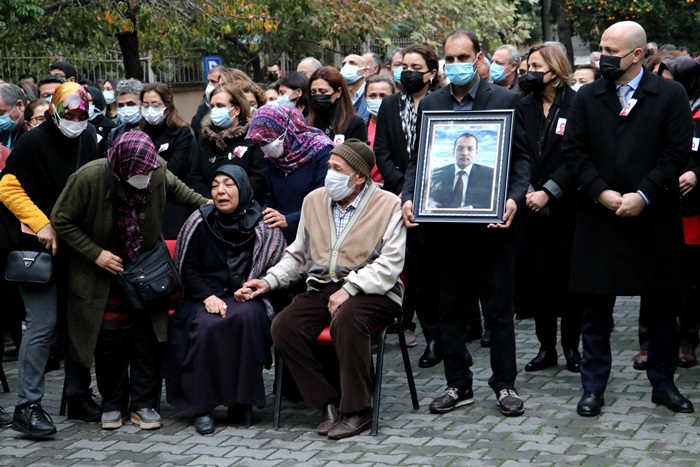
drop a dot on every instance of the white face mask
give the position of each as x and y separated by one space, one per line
140 182
109 97
207 92
93 112
154 116
72 129
337 185
275 149
576 87
129 114
373 106
286 102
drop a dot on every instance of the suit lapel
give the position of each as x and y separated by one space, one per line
605 90
483 93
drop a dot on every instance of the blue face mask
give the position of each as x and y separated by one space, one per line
460 73
496 72
220 117
6 123
397 73
373 105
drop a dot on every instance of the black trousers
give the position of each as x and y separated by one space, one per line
689 312
473 261
596 361
127 366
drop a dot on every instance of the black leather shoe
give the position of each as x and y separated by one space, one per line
5 419
673 400
204 424
432 355
33 421
590 404
573 360
545 358
83 408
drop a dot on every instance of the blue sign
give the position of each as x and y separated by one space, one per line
210 62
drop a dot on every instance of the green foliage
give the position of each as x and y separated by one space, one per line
670 21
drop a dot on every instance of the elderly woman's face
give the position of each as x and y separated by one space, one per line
224 192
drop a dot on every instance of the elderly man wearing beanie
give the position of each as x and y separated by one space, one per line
350 250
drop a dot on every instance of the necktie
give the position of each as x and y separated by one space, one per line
622 94
458 190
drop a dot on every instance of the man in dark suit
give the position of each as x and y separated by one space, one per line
484 270
464 184
629 235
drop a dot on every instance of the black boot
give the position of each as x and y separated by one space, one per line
432 355
546 357
573 360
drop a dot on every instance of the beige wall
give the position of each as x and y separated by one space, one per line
187 100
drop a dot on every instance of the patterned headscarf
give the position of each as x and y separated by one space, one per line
301 143
68 96
132 154
686 71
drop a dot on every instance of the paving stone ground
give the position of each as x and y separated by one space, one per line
630 431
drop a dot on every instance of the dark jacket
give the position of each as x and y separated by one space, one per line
83 220
647 150
288 190
103 125
202 111
238 151
479 187
356 128
390 146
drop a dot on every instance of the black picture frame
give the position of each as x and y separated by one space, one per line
437 195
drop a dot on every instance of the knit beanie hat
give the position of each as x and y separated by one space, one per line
356 153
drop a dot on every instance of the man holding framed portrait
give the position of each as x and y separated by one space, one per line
485 270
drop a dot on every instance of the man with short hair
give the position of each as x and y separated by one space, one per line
486 271
354 71
48 84
65 70
352 284
464 183
203 107
273 74
504 67
627 142
374 64
594 58
12 104
484 68
308 66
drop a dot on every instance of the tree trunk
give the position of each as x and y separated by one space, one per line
546 20
563 29
129 45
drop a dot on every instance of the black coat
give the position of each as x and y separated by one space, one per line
390 144
103 125
356 128
647 150
488 97
479 187
239 151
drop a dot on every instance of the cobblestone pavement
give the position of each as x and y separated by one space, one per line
631 430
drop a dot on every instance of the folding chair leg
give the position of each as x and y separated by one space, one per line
409 370
278 391
64 400
378 382
160 395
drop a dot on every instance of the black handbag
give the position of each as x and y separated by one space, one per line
35 267
151 279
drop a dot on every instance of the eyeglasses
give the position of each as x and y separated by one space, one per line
155 105
37 120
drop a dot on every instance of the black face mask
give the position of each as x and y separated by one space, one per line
532 81
610 66
412 81
321 102
272 77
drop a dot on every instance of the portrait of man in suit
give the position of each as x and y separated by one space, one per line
463 184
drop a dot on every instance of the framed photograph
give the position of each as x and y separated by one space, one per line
463 162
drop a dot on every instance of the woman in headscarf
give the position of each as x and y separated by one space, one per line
297 157
218 346
36 172
103 124
222 141
109 214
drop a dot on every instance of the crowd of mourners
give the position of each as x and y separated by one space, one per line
289 209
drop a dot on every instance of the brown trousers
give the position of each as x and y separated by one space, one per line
294 332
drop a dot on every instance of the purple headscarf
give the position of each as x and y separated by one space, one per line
301 143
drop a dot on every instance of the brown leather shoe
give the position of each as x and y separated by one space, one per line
351 424
330 418
686 357
640 361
